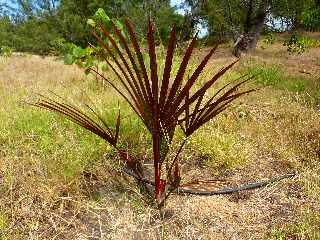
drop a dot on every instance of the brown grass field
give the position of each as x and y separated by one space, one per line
58 181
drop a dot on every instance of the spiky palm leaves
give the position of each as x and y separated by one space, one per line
162 101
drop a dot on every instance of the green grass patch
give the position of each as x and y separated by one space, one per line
61 147
64 149
219 145
308 228
275 76
3 222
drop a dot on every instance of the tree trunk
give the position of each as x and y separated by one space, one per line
188 28
253 28
257 28
190 20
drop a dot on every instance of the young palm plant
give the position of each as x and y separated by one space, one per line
163 102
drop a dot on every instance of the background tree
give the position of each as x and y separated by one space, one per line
163 15
45 22
229 19
232 18
191 18
291 11
74 14
48 21
6 31
28 22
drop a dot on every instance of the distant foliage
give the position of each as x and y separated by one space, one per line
41 27
37 26
311 19
6 32
33 35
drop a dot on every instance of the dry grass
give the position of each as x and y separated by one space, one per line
56 180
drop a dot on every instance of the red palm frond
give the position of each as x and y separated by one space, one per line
161 102
97 126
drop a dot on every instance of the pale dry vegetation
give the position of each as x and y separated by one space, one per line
56 183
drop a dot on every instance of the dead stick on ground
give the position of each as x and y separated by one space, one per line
249 186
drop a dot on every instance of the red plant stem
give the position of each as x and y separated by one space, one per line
129 163
156 162
138 175
177 154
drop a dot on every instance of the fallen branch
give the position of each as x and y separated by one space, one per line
249 186
227 190
305 72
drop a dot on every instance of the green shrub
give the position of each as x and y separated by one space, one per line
298 44
295 44
61 47
5 51
270 38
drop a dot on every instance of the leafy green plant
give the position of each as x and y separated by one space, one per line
5 51
81 56
296 44
87 57
164 102
270 38
61 47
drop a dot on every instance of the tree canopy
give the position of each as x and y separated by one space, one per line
37 25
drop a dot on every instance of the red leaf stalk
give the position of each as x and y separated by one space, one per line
156 162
